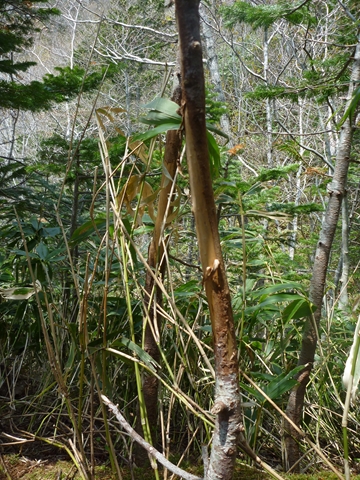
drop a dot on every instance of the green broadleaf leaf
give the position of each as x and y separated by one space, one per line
142 355
351 108
165 106
85 230
52 232
298 309
255 393
212 128
42 251
282 384
159 118
24 254
214 155
277 388
164 127
271 300
277 288
187 289
19 293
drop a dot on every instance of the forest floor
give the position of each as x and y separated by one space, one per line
16 467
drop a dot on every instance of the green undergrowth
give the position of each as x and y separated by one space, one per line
18 467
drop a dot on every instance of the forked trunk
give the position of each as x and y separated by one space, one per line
336 190
226 407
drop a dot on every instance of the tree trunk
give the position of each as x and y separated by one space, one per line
294 227
343 296
336 190
213 66
226 407
153 298
269 115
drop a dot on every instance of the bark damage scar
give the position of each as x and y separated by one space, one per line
221 407
230 451
218 407
195 45
334 188
224 353
209 272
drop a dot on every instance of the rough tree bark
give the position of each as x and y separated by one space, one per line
227 396
336 191
153 298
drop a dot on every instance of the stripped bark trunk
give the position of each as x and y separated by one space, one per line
227 396
336 191
153 295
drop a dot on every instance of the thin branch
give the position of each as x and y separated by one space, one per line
142 27
256 75
297 7
247 166
347 11
149 448
185 263
287 133
309 149
126 25
127 56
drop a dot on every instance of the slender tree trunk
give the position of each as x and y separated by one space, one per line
343 297
153 298
342 270
70 305
336 191
214 71
269 115
226 407
294 226
213 66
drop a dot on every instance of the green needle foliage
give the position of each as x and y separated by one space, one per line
20 20
266 15
88 251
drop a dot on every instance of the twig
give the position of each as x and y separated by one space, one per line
325 160
347 11
149 448
185 263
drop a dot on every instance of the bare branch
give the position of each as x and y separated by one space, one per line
128 56
309 149
347 11
149 448
126 25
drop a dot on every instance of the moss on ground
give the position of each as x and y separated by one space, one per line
16 467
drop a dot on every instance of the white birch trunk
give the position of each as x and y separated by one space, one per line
336 191
213 66
297 188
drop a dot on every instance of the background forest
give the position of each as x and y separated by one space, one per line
102 291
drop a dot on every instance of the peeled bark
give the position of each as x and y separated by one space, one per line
226 407
336 190
153 298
